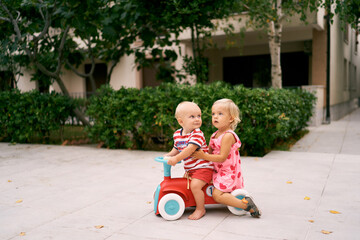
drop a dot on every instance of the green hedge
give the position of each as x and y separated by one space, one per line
29 115
144 119
138 119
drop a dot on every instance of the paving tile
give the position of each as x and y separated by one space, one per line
67 191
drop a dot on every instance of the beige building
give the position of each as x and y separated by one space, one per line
245 60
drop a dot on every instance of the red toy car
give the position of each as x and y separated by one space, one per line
173 195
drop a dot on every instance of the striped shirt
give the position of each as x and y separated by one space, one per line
195 137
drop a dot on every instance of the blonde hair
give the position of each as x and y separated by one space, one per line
233 109
182 106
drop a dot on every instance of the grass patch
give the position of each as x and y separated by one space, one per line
285 145
68 135
72 132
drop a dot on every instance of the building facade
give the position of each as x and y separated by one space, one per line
244 59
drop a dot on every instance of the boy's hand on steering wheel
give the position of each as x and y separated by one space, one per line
171 161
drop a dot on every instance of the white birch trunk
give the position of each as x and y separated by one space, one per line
274 34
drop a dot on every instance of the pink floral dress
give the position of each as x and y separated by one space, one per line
227 175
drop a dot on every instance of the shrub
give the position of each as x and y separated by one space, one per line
24 116
138 119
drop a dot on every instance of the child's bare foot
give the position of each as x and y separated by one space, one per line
197 214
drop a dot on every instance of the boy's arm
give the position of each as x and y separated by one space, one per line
173 152
183 154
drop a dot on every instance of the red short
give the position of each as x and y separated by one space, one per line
204 174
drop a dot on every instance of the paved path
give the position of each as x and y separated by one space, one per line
84 193
340 137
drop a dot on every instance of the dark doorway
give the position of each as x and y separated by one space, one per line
295 69
149 77
239 70
157 72
100 76
255 71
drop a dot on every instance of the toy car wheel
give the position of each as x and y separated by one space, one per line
240 194
171 206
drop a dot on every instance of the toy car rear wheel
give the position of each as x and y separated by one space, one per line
240 194
171 206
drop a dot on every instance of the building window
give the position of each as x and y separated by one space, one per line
345 76
255 71
353 77
346 33
353 82
356 42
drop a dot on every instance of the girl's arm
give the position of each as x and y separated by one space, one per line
210 150
226 142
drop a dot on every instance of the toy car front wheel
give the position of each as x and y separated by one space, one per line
240 194
171 206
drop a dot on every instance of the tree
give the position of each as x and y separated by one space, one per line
270 15
47 36
163 22
348 12
197 16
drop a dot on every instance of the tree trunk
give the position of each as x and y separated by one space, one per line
33 55
275 30
195 57
81 116
78 113
274 34
92 82
113 65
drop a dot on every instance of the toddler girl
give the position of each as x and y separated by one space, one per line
224 152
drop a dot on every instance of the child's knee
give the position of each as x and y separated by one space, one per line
216 196
197 184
